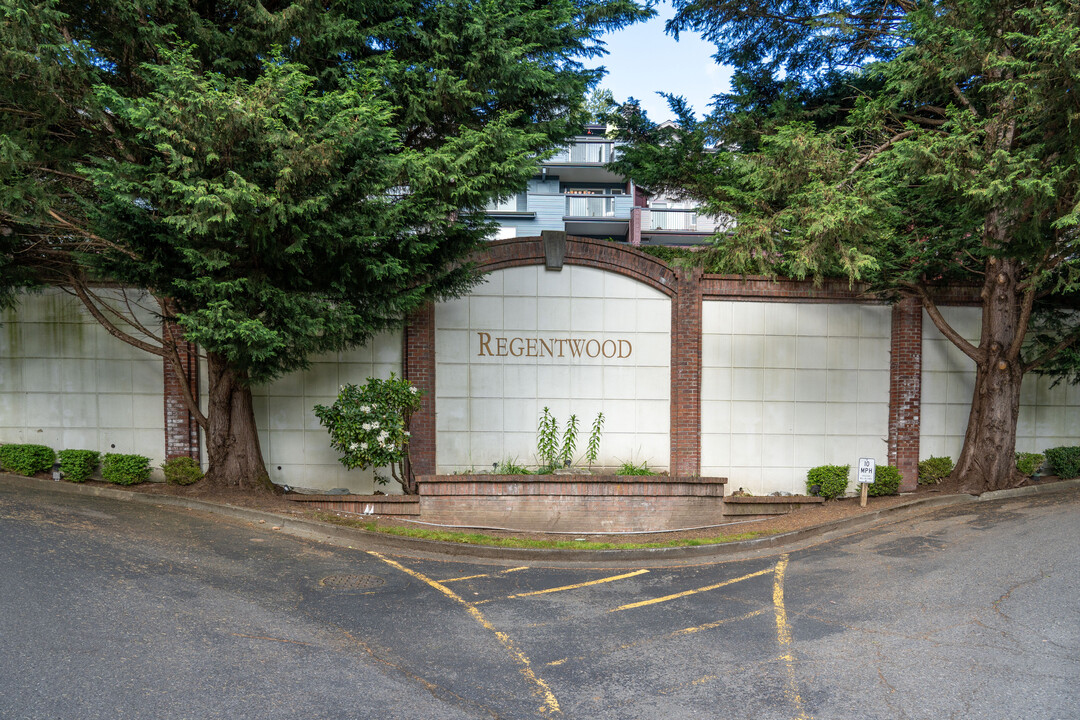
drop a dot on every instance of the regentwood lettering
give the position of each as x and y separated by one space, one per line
500 346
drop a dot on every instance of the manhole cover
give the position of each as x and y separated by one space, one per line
351 582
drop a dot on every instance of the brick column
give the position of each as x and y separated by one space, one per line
634 233
419 369
905 390
181 429
686 374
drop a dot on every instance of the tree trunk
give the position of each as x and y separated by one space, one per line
232 438
988 460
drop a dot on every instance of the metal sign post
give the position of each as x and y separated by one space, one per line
867 473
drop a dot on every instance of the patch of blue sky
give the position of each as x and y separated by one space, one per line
643 61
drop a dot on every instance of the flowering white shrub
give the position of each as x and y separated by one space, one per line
369 425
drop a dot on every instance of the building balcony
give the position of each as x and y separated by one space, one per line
585 152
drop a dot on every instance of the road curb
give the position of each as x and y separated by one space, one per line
356 538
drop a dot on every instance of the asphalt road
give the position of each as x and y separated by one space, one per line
114 609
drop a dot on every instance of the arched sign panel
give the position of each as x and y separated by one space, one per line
579 341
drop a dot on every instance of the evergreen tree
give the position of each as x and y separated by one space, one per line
286 178
909 146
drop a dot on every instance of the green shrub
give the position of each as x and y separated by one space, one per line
125 469
369 426
832 479
886 481
1064 461
934 470
182 471
629 468
1029 463
27 459
79 465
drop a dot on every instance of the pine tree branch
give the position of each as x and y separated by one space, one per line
81 291
879 149
944 327
1049 355
963 100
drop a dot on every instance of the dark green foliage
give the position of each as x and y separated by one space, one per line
908 146
1029 463
26 459
833 480
294 177
934 469
78 465
182 471
679 256
125 469
886 481
1064 461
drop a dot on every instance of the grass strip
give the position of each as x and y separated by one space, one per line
513 542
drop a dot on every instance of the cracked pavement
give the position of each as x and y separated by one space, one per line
126 610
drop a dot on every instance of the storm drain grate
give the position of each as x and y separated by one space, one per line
351 582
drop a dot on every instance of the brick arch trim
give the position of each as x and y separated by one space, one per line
586 252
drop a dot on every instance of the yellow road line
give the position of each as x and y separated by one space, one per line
783 637
484 575
676 596
466 577
550 704
578 585
717 623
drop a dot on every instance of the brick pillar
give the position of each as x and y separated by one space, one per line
419 369
905 390
634 234
686 374
181 429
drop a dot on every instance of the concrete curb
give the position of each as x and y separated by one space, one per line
364 540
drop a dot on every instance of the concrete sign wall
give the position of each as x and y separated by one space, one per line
788 386
66 383
578 341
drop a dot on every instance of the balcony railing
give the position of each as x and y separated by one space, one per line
586 153
590 206
673 220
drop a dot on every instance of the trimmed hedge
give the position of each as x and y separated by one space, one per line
934 469
79 465
886 481
1029 463
182 471
1064 461
833 480
125 469
27 459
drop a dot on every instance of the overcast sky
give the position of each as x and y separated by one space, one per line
643 59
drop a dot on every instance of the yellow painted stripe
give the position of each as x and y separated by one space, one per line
683 594
484 575
717 623
466 577
783 637
550 704
578 585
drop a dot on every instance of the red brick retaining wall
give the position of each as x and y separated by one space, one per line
363 504
572 503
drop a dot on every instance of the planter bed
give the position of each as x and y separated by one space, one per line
572 503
